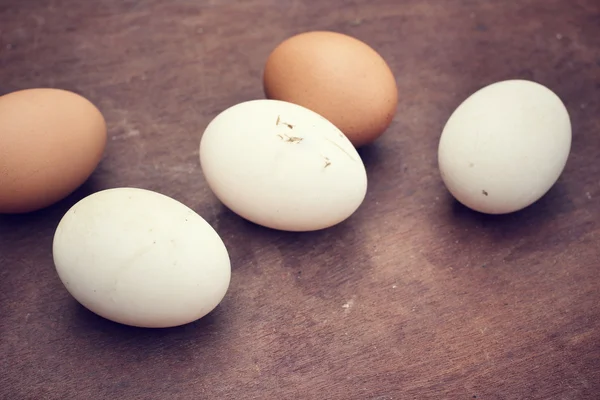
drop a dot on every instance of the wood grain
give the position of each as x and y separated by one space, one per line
414 297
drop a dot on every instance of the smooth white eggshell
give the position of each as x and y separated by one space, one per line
141 258
505 146
282 166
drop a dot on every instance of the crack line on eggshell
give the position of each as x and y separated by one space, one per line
341 148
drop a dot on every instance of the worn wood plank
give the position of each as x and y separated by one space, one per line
413 297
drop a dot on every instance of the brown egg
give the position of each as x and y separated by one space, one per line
337 76
51 141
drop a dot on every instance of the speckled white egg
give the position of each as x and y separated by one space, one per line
505 146
141 258
282 166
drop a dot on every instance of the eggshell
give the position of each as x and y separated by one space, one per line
505 146
51 141
141 258
337 76
282 166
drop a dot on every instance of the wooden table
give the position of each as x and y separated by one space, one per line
414 297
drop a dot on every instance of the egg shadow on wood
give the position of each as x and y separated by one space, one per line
316 258
519 223
385 172
43 222
462 238
371 155
123 341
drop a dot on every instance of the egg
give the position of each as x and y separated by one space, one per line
505 146
282 166
51 141
339 77
141 258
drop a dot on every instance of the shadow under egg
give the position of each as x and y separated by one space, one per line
43 222
522 222
105 338
371 155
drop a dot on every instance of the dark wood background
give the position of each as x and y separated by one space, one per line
414 297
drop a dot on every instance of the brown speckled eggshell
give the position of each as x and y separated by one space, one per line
337 76
51 141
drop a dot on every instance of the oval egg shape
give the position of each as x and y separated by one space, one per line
51 141
141 258
339 77
505 146
282 166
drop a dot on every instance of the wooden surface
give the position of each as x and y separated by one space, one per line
414 297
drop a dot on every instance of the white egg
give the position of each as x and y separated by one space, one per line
282 166
141 258
505 146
